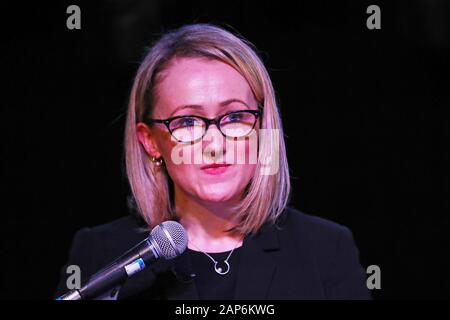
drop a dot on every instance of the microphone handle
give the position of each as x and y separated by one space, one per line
117 272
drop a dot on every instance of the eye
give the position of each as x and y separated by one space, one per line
185 122
234 117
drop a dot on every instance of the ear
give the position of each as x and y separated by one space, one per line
148 140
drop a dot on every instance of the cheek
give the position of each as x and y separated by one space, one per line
181 170
243 152
181 157
246 172
245 160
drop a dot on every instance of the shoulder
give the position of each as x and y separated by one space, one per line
310 226
94 247
330 247
99 244
323 239
115 235
124 224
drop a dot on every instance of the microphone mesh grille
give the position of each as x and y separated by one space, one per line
171 239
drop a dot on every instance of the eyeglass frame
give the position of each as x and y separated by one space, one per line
207 121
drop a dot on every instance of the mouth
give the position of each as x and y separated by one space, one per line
215 168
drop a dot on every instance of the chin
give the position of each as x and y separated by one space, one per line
217 195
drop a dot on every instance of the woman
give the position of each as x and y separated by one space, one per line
204 146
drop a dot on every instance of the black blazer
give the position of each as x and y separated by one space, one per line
300 257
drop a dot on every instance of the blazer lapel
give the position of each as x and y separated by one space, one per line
257 266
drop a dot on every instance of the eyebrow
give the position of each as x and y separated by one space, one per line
200 107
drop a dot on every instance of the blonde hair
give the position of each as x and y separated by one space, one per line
266 196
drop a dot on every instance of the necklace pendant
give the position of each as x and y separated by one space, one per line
219 270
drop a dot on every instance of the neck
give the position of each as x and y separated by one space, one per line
206 223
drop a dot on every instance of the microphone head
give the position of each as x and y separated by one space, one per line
171 239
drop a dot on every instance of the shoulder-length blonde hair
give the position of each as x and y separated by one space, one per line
266 196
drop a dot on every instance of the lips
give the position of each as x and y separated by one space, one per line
215 169
215 165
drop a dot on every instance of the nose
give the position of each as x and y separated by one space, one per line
213 144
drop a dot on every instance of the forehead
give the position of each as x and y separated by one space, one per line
200 81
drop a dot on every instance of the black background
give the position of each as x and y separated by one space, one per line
363 111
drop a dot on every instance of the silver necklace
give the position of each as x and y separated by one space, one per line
219 270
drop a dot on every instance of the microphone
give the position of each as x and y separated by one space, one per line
167 240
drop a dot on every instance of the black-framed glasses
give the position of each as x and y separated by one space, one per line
191 128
